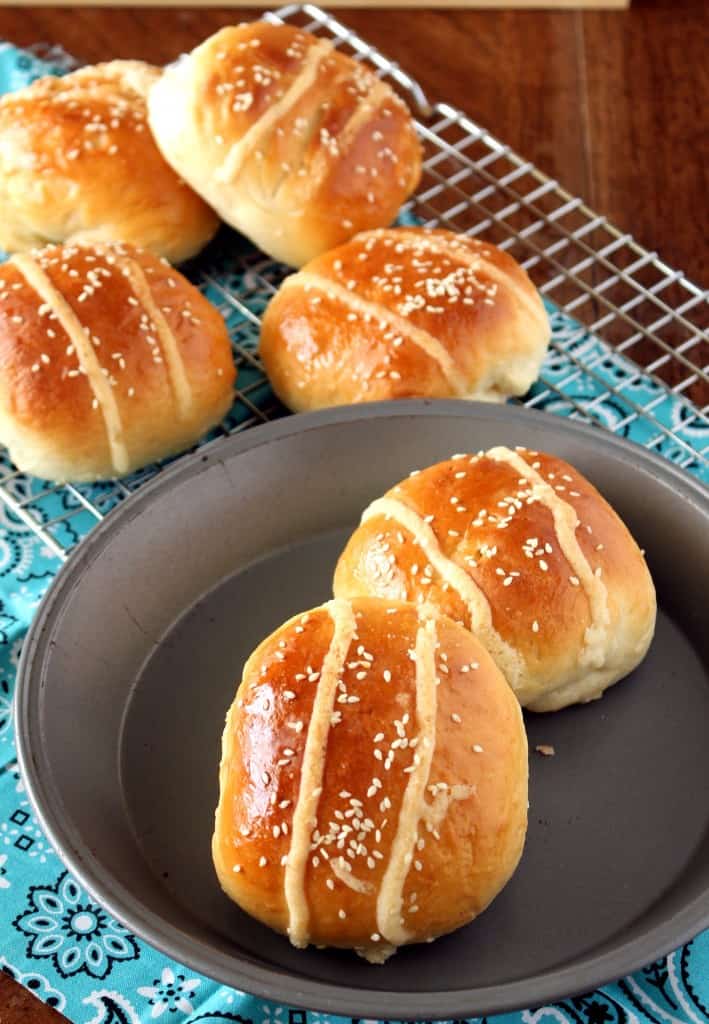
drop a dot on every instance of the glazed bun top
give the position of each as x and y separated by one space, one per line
78 163
373 778
521 548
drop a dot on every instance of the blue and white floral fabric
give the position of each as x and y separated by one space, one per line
56 940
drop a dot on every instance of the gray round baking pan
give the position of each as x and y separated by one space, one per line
133 658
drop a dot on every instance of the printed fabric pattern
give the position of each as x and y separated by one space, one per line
68 950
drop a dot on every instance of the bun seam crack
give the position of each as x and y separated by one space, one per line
413 804
40 282
429 344
566 522
313 768
177 376
259 131
472 595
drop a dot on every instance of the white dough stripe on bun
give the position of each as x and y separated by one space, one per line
313 768
389 897
400 313
57 308
259 132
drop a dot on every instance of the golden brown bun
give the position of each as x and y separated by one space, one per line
109 359
520 547
402 313
78 163
375 748
293 143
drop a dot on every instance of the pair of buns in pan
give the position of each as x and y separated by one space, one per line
288 140
373 781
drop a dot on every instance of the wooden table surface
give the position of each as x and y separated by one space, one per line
612 104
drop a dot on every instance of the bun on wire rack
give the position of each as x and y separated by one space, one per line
78 163
109 360
293 143
402 313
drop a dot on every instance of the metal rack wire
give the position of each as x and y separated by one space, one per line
641 315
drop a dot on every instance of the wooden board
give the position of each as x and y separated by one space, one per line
371 4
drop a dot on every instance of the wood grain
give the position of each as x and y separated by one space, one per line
613 105
19 1006
238 5
647 86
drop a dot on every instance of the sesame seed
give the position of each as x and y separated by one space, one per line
477 748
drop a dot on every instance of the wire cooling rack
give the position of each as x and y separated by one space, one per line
636 321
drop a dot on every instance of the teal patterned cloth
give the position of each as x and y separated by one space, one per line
56 940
